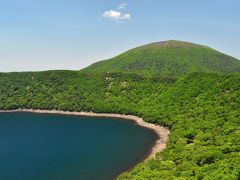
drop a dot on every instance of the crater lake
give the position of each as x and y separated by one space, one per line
66 147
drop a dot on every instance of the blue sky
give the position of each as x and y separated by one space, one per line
72 34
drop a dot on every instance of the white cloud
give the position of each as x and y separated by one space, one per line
116 15
122 6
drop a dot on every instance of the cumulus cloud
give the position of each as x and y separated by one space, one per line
116 15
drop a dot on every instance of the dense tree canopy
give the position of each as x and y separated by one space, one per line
201 110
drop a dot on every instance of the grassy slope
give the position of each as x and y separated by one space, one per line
170 58
201 110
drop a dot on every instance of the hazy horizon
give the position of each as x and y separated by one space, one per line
39 70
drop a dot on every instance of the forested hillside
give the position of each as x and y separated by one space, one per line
169 58
201 110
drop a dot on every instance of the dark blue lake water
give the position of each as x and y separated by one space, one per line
62 147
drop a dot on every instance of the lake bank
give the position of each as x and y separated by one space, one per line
162 132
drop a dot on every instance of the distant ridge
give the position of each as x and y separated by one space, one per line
172 58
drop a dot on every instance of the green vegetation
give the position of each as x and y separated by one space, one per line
202 110
170 58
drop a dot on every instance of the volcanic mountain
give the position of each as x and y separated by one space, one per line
172 57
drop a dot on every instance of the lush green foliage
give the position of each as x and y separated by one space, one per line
170 58
201 110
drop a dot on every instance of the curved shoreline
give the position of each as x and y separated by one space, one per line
161 131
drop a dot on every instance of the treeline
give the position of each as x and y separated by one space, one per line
201 110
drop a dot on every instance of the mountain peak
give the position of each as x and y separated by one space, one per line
172 44
169 58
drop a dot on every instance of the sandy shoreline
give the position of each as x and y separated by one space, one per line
161 131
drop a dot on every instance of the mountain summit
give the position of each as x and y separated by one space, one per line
172 58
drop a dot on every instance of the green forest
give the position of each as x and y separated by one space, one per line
201 110
200 107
